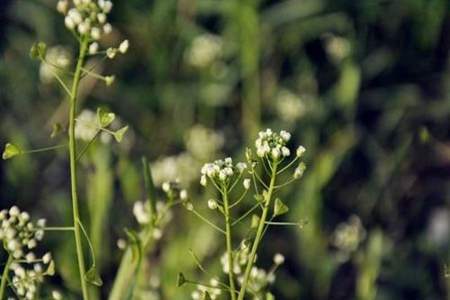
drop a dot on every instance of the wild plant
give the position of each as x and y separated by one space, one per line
87 21
263 174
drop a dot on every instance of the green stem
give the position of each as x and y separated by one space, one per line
5 277
229 246
73 167
259 232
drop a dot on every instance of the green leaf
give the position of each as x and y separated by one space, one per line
38 50
181 279
135 244
104 117
255 221
118 135
10 151
93 277
280 208
206 296
269 296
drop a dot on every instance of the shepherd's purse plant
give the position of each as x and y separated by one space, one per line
267 169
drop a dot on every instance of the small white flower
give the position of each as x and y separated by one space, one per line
95 33
46 258
166 187
106 6
278 259
275 153
84 27
75 15
189 206
140 213
157 233
30 257
203 180
212 204
285 151
56 295
111 53
107 28
109 80
300 151
101 17
14 211
183 194
241 166
93 48
62 6
123 47
298 172
246 183
286 136
121 244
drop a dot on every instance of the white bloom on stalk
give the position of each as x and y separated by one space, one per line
212 204
123 47
141 213
183 194
278 259
246 183
93 48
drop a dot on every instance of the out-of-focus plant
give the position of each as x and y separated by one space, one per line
265 173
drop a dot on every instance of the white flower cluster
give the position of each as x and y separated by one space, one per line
221 170
19 236
89 19
272 144
259 279
240 259
212 291
18 233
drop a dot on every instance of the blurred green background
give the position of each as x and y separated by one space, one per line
363 85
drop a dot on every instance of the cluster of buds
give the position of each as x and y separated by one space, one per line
260 278
18 233
19 236
221 171
88 18
240 259
272 144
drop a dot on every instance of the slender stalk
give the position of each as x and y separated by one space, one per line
5 277
259 232
73 167
229 246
